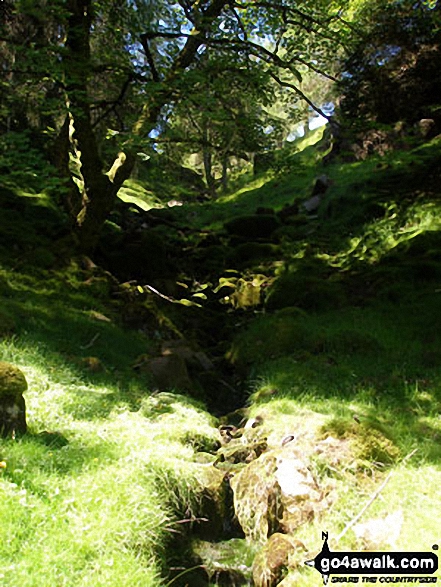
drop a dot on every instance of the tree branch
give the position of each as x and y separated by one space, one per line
239 22
298 91
150 60
112 105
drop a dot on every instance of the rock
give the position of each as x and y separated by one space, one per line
169 372
12 404
426 128
311 204
192 357
272 562
276 492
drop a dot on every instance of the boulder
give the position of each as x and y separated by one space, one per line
276 492
272 562
169 372
12 404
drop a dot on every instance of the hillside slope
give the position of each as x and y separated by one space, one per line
321 325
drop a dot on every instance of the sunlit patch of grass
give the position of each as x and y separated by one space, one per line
98 509
381 236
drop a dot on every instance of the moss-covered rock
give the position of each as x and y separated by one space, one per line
305 291
288 332
12 404
275 492
350 342
12 380
369 440
253 253
272 561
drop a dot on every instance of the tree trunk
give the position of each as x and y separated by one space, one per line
60 155
100 189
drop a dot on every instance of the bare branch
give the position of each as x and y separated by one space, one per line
112 105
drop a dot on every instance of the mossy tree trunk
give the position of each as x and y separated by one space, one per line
100 188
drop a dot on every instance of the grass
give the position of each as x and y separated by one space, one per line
92 494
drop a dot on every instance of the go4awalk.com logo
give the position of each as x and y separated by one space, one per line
381 567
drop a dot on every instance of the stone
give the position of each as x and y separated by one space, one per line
169 372
275 493
426 128
12 404
272 562
12 380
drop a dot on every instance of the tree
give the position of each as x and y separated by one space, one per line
222 120
123 63
393 70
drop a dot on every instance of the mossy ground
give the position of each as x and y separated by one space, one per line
345 325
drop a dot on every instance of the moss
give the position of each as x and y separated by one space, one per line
41 257
252 253
288 332
233 557
369 440
348 342
12 380
271 563
253 226
315 293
